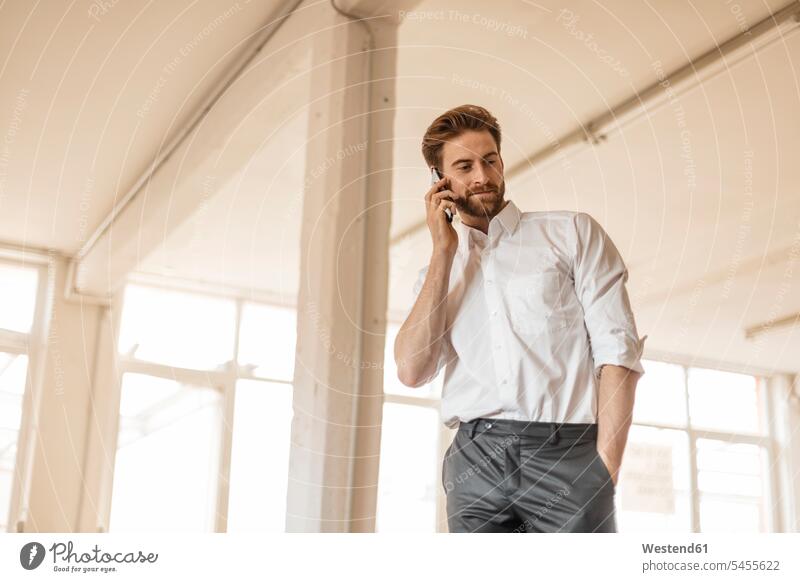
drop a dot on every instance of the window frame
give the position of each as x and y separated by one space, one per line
223 380
767 440
29 344
446 435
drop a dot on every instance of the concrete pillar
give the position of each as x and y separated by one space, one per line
103 425
55 436
341 320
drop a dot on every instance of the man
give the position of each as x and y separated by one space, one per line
529 312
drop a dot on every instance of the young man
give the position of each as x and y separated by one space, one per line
529 312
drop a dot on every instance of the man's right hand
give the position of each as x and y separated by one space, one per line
445 237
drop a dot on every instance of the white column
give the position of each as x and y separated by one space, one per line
341 320
60 406
103 425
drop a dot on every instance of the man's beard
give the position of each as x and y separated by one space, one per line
482 206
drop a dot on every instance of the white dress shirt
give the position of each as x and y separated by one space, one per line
533 310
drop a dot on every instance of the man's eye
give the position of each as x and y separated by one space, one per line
464 168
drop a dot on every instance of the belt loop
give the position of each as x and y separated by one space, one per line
553 439
474 426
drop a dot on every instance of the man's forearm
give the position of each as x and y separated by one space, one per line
614 414
419 340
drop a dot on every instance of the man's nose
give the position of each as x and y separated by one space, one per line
480 178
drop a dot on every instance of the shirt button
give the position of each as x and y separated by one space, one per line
488 281
504 382
494 312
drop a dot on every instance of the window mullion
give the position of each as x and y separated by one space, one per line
765 393
694 494
226 448
14 342
215 378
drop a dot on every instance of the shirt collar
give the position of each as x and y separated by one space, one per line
506 220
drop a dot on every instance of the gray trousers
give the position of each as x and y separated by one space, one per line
503 475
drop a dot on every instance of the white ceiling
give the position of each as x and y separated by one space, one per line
94 98
705 261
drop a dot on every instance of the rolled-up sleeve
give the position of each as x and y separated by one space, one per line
600 277
446 350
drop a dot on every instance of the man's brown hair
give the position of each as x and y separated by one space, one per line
453 123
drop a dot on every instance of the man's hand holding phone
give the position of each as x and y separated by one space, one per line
439 199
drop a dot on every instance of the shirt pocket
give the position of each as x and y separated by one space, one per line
534 302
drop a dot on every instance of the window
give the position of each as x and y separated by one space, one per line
660 395
167 454
200 376
267 340
696 458
260 458
13 372
730 480
407 483
412 442
177 329
20 285
262 419
655 488
725 401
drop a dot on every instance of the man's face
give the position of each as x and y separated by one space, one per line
475 169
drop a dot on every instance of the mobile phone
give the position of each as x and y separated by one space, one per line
435 177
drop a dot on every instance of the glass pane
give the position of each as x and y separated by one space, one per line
728 515
392 384
166 470
13 375
409 469
19 297
653 492
660 395
177 329
260 457
267 340
733 468
724 401
731 478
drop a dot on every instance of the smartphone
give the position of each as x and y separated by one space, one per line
435 177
